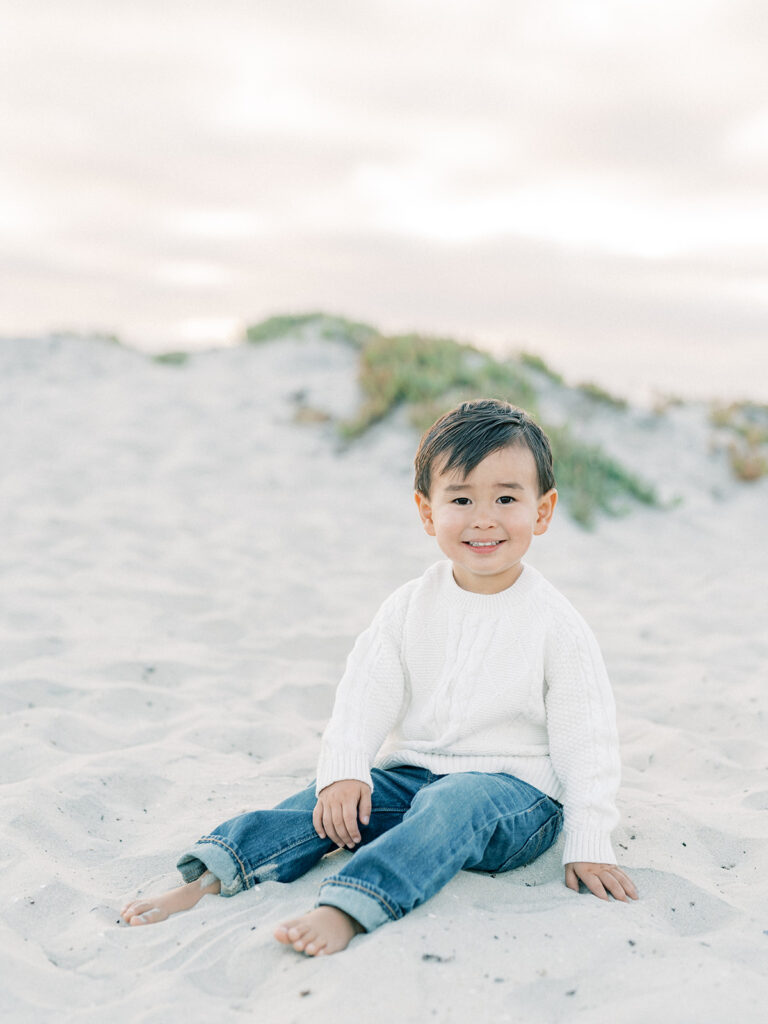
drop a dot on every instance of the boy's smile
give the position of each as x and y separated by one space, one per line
485 522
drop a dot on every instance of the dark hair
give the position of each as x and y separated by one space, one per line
471 431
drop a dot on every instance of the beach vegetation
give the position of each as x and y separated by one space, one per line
747 463
745 424
747 419
331 328
96 337
598 394
306 413
310 414
430 375
533 362
591 480
171 358
662 403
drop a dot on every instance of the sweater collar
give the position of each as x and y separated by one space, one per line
519 590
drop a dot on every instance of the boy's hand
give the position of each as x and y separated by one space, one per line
598 878
337 808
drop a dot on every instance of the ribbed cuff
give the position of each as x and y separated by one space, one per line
594 847
335 767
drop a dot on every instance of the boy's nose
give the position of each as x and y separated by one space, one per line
483 519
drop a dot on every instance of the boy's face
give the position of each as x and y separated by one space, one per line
485 522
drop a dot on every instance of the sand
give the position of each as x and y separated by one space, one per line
183 569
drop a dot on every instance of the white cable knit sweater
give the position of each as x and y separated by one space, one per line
454 681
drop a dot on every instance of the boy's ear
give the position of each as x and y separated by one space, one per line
425 511
544 511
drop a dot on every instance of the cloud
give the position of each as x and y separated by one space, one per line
414 159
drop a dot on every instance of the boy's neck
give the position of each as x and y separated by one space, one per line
477 584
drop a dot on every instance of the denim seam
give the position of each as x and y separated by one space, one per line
534 836
543 825
217 841
364 889
513 814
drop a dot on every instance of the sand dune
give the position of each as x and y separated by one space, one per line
182 571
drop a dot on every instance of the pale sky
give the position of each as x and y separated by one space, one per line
584 180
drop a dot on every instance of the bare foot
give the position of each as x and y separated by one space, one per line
154 909
320 932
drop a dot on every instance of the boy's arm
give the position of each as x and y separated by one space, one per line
369 701
584 749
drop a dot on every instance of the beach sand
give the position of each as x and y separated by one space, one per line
183 570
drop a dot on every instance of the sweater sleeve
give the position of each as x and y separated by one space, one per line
369 700
583 739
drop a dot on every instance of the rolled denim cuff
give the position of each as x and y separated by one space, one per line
210 854
361 902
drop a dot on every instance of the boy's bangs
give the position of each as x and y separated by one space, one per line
471 447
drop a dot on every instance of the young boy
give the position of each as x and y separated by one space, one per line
478 694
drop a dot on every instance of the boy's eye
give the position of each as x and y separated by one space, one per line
506 499
460 501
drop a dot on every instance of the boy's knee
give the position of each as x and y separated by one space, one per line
460 795
466 784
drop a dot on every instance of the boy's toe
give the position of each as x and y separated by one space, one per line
132 910
292 933
288 931
147 914
316 947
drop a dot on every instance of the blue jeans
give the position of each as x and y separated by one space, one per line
424 829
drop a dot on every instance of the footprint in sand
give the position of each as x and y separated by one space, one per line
678 903
758 801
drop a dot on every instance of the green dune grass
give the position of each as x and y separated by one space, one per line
171 358
429 375
333 328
